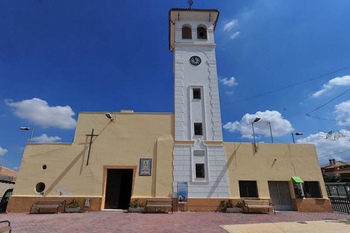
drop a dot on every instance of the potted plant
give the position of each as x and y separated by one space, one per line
73 207
135 206
228 207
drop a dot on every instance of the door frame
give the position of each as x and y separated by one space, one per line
104 183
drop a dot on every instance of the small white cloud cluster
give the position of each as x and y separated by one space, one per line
338 81
343 113
38 112
45 139
229 81
3 151
328 148
229 26
279 126
232 37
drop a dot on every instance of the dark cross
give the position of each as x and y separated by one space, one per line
91 135
190 2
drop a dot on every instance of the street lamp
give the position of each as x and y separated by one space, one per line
27 128
269 123
255 120
299 133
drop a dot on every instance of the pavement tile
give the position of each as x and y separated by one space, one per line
132 222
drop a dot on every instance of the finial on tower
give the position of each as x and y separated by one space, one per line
190 2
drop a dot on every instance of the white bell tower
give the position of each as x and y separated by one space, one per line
199 154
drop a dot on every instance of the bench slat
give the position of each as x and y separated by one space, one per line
159 204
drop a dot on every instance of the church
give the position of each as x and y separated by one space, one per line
118 157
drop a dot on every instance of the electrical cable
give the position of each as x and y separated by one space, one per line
308 114
286 87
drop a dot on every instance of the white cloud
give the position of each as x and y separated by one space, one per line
38 112
338 81
343 111
329 149
229 92
45 139
230 25
234 35
229 82
3 151
279 126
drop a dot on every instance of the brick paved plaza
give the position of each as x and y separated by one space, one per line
132 222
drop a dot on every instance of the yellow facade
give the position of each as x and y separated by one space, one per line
271 162
130 136
120 144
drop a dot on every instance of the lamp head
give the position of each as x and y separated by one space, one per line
25 128
299 133
256 119
109 116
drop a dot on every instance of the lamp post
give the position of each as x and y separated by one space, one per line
299 133
255 120
31 135
269 123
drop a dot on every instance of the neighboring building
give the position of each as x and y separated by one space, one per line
337 168
146 155
7 179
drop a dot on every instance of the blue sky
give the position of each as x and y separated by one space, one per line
59 58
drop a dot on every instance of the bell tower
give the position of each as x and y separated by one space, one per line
199 154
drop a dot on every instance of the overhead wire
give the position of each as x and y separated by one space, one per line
289 86
308 114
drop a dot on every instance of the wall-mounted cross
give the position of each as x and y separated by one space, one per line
91 135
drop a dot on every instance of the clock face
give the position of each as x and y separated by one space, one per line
195 60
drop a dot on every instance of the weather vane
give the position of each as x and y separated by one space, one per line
190 2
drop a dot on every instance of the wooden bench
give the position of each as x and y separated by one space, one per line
47 205
258 204
5 228
159 204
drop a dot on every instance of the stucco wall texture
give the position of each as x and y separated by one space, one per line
121 142
131 136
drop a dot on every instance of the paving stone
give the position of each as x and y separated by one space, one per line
133 222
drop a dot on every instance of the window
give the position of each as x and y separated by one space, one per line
196 93
201 32
200 170
312 189
186 32
248 189
198 129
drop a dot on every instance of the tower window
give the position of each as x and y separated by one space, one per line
186 32
200 170
201 32
198 129
196 93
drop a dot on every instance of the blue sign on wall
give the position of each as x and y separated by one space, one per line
182 192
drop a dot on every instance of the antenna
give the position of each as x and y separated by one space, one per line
190 2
